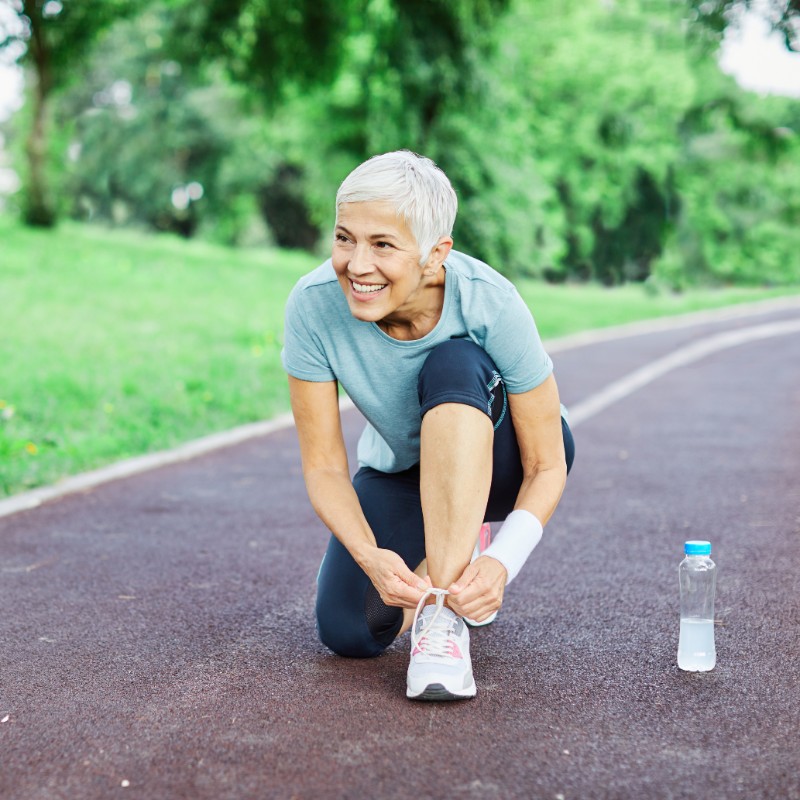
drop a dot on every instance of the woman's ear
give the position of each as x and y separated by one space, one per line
438 255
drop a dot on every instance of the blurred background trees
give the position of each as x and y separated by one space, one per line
783 15
590 140
58 38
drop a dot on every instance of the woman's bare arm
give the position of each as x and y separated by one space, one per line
536 415
327 477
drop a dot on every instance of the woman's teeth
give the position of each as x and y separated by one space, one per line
367 288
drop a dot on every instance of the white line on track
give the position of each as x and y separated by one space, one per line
133 466
660 324
578 413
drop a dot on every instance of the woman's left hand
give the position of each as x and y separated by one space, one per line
479 591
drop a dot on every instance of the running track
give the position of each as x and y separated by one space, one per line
157 638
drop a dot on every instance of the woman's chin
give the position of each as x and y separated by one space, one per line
367 312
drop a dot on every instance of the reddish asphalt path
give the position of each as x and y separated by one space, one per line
158 640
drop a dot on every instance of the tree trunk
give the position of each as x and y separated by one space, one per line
39 209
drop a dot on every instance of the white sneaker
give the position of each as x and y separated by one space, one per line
484 540
440 667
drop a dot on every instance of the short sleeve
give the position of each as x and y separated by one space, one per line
514 345
303 355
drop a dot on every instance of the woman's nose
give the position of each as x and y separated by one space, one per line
360 261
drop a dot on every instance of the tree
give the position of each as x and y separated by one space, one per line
57 36
739 180
599 90
341 80
147 142
716 15
267 45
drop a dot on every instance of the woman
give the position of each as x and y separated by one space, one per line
464 424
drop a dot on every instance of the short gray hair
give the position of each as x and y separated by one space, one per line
419 191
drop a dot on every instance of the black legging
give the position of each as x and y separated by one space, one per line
352 620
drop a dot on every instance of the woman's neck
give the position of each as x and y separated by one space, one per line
418 322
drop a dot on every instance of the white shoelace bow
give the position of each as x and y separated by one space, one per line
435 636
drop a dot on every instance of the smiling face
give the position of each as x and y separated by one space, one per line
377 262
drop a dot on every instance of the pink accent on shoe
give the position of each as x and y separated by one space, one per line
485 536
453 650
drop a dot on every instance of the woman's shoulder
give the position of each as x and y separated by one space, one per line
486 298
314 289
322 276
479 288
472 273
317 300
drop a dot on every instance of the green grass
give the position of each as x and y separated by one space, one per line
114 344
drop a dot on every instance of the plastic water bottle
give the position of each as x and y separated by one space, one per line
698 577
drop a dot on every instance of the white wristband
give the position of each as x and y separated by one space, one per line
515 541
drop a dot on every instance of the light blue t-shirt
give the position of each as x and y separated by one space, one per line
324 342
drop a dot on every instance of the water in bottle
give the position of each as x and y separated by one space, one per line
697 573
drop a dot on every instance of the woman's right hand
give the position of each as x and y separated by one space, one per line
397 585
319 428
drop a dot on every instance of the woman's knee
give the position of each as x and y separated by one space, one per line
458 371
451 359
346 634
352 620
344 641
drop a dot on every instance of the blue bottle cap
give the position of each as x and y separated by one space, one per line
697 548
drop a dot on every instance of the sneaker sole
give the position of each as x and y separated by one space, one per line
437 692
488 621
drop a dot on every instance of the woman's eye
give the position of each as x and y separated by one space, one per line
340 237
382 245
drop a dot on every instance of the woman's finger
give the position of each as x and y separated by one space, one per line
404 591
467 577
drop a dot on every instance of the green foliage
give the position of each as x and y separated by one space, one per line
586 140
59 35
414 75
503 199
715 16
657 162
268 45
602 82
740 184
569 138
146 133
129 156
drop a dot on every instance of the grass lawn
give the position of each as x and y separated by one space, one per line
117 343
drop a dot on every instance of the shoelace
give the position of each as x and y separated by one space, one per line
436 636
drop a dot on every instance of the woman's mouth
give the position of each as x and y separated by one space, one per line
366 289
